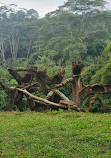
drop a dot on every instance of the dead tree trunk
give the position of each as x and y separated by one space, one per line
103 104
58 93
11 99
101 101
93 89
44 80
18 101
48 103
76 83
54 98
31 103
11 93
91 102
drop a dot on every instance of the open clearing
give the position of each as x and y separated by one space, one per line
56 134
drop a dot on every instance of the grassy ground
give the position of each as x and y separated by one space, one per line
55 135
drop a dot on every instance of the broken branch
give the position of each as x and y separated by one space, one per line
63 83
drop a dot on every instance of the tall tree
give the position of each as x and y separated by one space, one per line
86 19
83 6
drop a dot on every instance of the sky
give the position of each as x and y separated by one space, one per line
42 6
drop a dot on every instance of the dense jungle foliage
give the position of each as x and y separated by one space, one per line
77 31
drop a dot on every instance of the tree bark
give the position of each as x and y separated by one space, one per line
11 100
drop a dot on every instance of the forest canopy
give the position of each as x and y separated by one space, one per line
79 30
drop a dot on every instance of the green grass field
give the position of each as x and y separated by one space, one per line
56 134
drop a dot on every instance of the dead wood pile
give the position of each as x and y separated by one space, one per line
35 79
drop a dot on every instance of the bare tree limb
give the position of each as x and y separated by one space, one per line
46 102
60 94
35 97
63 83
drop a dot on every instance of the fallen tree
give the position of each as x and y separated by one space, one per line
54 99
45 101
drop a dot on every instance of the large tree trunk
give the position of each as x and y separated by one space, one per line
76 84
11 100
31 103
18 101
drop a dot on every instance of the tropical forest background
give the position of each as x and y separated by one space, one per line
79 30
